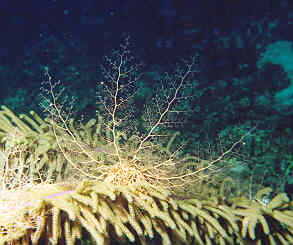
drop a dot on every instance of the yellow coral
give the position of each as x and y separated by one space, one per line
126 205
107 218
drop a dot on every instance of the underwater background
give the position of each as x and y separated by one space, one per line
243 81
